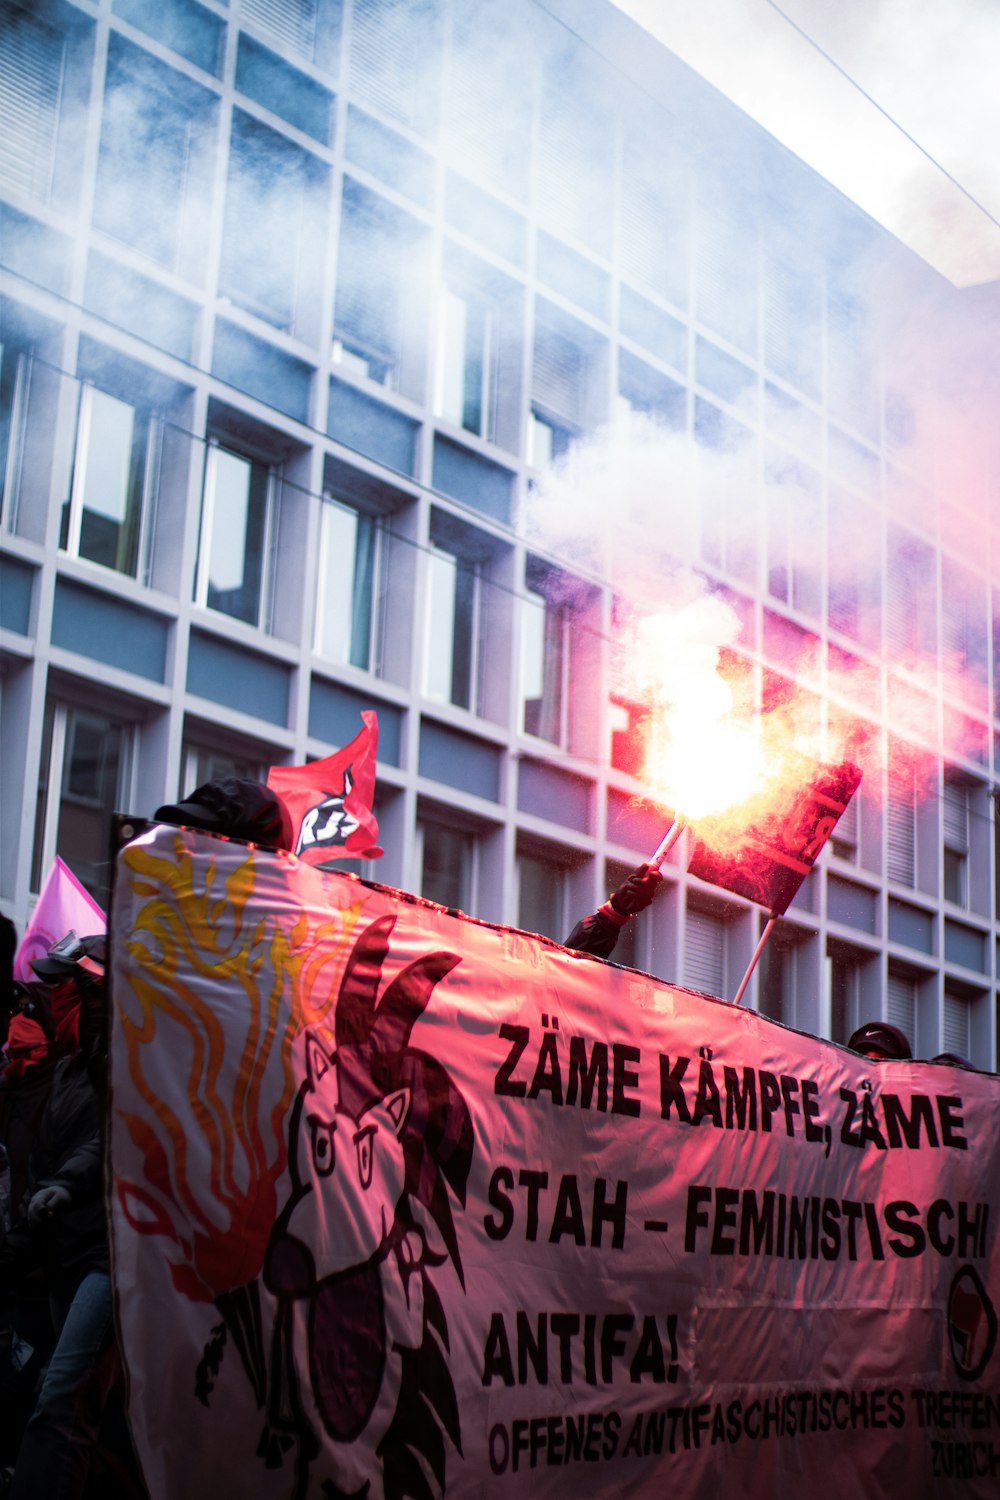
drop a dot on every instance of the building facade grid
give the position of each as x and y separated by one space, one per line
300 300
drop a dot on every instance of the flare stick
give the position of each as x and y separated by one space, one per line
667 842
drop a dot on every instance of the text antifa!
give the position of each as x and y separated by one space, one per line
606 1078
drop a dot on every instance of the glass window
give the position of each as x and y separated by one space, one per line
547 440
377 246
14 368
546 623
645 392
452 645
901 1003
117 449
901 828
392 65
628 733
704 952
447 864
956 1023
145 137
726 277
267 199
844 839
31 82
792 321
963 628
558 392
349 579
955 828
201 765
845 996
233 573
466 380
541 899
291 23
794 525
84 778
910 594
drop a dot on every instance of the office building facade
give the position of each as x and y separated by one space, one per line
301 301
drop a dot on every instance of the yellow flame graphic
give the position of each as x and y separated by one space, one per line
219 985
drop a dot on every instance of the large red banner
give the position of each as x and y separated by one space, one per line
405 1204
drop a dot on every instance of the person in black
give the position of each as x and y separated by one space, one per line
64 1228
599 932
881 1041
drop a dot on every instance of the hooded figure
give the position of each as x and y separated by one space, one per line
880 1041
239 808
64 1231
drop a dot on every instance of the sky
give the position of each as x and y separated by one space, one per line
931 65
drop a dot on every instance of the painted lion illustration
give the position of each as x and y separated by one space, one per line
354 1378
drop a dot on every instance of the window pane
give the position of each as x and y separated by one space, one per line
465 364
91 790
110 457
451 357
540 896
466 638
371 267
843 998
144 138
451 631
543 646
956 1027
532 660
346 585
236 545
901 830
290 22
31 76
10 364
447 865
201 765
439 656
704 952
901 1004
266 199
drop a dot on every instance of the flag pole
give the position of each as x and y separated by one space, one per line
768 929
667 842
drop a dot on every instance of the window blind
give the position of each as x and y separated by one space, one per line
31 74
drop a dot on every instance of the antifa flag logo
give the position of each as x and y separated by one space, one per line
328 823
330 802
972 1324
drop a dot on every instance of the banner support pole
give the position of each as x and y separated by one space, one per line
768 929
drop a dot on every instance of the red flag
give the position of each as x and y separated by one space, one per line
772 854
330 801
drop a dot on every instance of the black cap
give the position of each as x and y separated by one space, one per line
73 955
881 1038
242 809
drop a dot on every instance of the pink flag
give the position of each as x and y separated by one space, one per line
330 800
63 906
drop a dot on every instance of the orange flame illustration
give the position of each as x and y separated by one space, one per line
218 989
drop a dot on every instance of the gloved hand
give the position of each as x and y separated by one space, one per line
46 1202
635 893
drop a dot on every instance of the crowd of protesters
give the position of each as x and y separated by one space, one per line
63 1429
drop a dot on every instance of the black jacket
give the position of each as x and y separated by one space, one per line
68 1154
